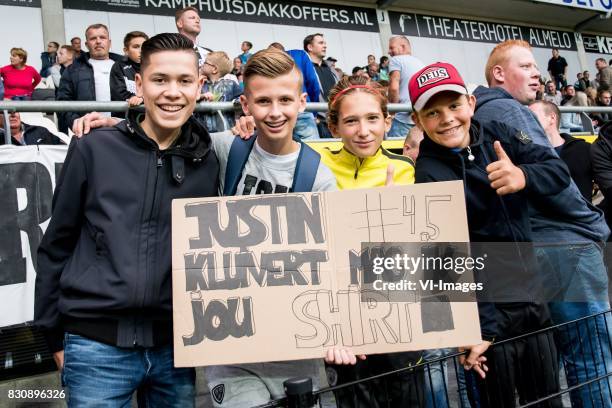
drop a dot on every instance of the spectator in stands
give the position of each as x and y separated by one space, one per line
187 22
483 156
604 74
557 69
306 125
568 92
568 243
19 79
371 59
576 153
551 94
23 134
360 72
123 73
48 58
571 121
65 58
88 78
372 71
107 319
585 82
401 68
603 100
246 48
75 42
383 68
412 142
591 94
218 89
577 84
331 62
237 67
316 47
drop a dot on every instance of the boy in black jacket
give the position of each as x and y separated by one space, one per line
103 287
123 73
497 191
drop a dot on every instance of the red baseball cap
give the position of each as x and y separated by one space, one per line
432 79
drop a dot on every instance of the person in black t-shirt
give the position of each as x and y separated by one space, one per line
557 68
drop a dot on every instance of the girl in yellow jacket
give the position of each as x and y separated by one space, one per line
358 115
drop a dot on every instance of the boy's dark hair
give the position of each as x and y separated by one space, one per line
309 39
75 38
68 48
131 35
179 13
250 44
166 42
550 108
356 69
55 43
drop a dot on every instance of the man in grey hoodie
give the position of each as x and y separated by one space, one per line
567 229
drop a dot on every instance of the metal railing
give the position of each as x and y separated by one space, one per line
94 106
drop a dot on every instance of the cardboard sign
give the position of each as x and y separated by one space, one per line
274 277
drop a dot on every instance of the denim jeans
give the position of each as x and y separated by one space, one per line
97 374
306 127
585 346
399 129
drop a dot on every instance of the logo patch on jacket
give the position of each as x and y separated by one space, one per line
523 137
432 75
218 393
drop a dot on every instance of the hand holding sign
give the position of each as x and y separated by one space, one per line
505 177
342 356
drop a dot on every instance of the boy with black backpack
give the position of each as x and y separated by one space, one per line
271 161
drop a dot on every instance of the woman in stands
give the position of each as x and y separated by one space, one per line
19 79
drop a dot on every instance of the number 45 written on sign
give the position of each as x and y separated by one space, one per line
409 210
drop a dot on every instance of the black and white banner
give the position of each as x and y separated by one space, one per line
21 3
27 179
597 44
449 28
255 11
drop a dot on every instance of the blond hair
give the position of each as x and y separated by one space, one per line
499 56
221 60
21 53
270 63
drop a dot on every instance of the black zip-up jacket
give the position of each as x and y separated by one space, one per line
77 84
601 161
576 153
104 263
123 71
493 218
34 135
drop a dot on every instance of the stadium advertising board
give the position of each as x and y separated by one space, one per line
449 28
21 3
254 11
287 274
594 5
597 44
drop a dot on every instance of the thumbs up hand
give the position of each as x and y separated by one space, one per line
390 174
505 177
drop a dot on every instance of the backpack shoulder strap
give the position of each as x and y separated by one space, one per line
236 160
305 169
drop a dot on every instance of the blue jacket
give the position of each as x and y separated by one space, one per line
311 82
565 217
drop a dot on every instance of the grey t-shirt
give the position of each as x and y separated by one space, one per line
407 65
266 173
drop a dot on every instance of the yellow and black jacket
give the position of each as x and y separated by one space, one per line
352 172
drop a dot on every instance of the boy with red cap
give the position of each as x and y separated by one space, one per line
501 170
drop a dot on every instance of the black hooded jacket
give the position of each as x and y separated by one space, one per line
104 263
494 218
601 160
122 81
